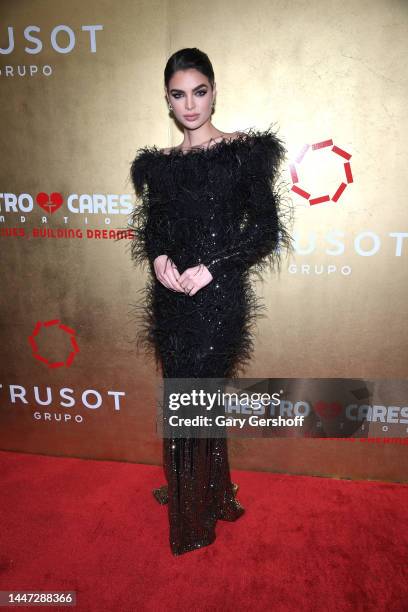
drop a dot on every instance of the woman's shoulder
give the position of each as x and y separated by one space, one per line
266 149
267 139
166 150
250 143
141 167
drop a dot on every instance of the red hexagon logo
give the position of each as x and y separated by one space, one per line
327 168
41 336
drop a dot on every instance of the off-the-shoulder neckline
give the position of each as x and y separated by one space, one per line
198 148
244 137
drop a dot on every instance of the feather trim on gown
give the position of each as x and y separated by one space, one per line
221 206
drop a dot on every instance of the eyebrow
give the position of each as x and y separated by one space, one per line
195 88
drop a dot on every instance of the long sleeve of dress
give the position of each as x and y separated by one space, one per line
150 226
258 243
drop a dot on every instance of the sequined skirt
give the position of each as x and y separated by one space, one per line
206 335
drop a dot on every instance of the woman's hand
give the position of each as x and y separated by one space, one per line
195 278
167 273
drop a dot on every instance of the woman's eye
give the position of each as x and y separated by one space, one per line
200 93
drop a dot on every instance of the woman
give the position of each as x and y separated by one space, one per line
209 212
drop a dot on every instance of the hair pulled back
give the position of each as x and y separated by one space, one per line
189 57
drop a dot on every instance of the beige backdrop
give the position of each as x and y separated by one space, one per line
75 110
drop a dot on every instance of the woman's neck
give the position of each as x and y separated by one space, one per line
186 145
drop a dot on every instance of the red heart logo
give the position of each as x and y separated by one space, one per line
328 409
49 203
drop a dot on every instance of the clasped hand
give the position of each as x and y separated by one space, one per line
189 282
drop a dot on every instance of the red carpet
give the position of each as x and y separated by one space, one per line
304 544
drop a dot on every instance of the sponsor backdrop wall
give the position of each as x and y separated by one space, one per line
81 86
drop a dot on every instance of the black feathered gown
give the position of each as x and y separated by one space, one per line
218 206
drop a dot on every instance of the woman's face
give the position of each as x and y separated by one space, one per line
190 95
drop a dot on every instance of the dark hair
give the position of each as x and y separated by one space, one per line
189 58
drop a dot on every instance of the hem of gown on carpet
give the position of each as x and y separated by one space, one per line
161 494
197 545
231 512
236 510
